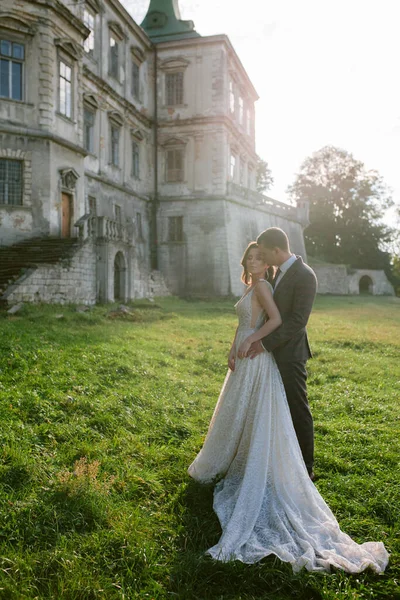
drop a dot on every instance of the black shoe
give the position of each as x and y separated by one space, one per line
312 475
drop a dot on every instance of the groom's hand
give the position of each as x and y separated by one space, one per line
255 349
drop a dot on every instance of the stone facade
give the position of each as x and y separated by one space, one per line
342 280
142 148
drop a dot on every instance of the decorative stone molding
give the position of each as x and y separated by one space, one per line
74 50
69 177
15 24
117 30
90 101
95 6
116 118
173 142
26 158
138 53
137 134
174 64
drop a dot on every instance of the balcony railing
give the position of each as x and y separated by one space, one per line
236 191
104 228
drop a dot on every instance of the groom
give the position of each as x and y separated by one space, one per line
295 286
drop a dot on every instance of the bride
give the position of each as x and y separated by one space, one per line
264 499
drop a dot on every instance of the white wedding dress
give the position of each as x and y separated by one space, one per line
264 499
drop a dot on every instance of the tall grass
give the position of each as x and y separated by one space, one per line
101 415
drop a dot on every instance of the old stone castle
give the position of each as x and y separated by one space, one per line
127 155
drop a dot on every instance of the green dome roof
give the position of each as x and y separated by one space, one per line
163 23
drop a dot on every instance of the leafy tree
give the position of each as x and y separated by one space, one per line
264 179
347 203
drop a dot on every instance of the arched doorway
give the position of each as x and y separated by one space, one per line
119 276
366 285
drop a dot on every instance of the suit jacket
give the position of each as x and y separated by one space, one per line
294 297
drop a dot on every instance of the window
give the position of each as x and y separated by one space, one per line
135 160
88 19
248 122
92 205
241 110
174 88
135 80
232 167
117 213
242 172
88 129
65 95
114 57
139 229
10 181
175 229
114 145
11 64
231 97
174 165
250 173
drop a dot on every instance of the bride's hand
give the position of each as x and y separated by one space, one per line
244 348
231 360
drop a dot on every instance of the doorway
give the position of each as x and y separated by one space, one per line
66 215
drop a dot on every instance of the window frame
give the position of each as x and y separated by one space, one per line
13 60
173 96
135 80
92 112
178 172
6 182
114 128
135 167
112 36
62 60
91 38
175 228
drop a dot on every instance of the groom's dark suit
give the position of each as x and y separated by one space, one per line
294 296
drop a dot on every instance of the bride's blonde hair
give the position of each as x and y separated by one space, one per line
269 273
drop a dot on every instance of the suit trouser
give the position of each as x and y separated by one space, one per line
294 377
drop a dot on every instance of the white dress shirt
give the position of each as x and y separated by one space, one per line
284 267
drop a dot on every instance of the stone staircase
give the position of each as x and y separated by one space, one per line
15 260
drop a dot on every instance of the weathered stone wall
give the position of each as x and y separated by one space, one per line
339 280
73 282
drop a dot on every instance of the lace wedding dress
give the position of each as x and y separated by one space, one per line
265 500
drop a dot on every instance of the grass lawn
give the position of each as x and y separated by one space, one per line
101 415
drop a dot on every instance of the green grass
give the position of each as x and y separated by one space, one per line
101 415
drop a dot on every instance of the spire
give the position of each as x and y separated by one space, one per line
163 22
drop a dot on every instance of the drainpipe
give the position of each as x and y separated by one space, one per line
154 203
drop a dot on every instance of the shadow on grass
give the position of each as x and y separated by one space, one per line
197 576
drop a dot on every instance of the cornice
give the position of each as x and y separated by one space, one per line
60 9
105 87
224 121
39 133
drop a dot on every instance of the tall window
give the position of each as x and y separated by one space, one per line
232 167
11 69
174 165
135 160
88 129
10 181
65 85
88 19
135 80
117 213
92 205
114 145
241 110
242 171
248 122
139 228
174 88
175 229
231 97
114 57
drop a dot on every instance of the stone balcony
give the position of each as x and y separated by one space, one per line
104 228
255 199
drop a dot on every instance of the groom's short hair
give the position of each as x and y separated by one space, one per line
273 237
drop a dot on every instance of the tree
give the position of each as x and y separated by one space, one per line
264 179
347 203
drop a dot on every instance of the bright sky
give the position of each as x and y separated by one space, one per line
326 71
